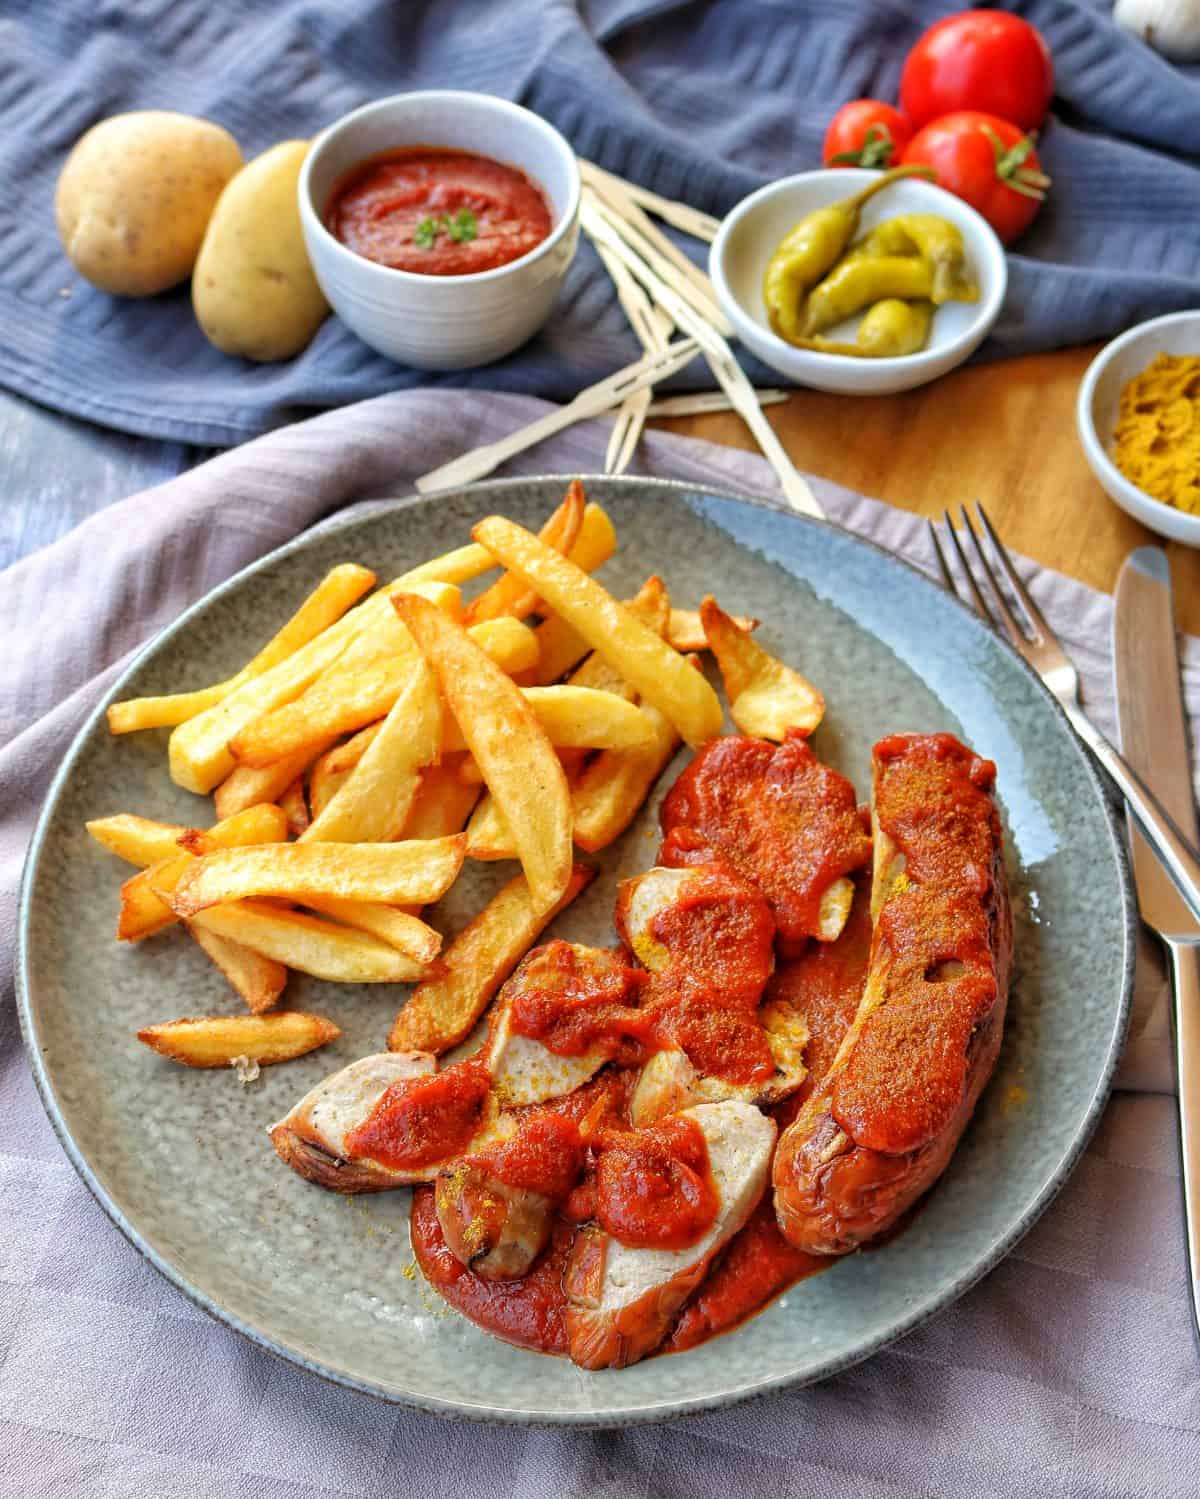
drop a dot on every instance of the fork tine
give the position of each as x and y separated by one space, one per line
981 604
1015 633
940 558
616 437
1034 614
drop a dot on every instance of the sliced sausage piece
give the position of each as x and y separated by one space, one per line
557 993
497 1207
322 1137
881 1126
623 1301
782 818
668 1082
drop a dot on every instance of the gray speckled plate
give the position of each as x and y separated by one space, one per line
179 1159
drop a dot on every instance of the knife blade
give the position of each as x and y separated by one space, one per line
1154 740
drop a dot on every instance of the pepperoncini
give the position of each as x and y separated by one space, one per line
816 244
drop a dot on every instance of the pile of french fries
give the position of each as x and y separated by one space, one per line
380 739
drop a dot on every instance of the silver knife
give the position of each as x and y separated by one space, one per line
1154 740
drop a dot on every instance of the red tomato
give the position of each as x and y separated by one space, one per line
979 59
866 133
988 163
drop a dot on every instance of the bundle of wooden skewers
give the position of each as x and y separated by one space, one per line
673 309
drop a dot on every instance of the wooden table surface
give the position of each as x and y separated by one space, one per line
1003 433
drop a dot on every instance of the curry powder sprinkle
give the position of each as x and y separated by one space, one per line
1157 441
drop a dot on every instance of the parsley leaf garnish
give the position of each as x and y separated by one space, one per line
462 228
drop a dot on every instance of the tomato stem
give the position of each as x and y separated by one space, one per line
1011 168
876 150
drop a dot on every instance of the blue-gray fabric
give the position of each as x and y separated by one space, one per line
703 100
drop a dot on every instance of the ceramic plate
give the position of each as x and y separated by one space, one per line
179 1159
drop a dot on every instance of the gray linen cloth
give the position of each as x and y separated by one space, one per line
1069 1372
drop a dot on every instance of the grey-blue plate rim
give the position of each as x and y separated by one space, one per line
646 1414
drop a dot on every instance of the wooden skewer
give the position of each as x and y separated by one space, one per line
653 329
591 402
704 402
729 373
690 220
674 267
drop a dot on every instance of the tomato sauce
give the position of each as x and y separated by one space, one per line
654 1189
528 1312
825 985
545 1155
910 1064
783 820
438 212
423 1120
758 1265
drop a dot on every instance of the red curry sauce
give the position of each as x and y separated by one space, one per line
423 1120
528 1312
654 1189
931 798
438 212
782 818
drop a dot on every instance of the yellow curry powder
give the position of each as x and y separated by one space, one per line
1157 441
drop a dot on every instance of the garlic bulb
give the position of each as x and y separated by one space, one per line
1171 27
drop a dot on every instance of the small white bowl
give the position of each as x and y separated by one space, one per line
442 322
1098 404
748 237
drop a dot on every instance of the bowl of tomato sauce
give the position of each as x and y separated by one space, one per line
440 224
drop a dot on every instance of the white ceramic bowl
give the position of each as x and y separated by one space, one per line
443 322
1096 415
748 237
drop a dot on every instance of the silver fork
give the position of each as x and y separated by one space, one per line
1037 643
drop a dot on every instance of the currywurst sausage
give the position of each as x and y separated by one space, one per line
880 1128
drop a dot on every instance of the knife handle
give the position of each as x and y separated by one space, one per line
1185 972
1178 857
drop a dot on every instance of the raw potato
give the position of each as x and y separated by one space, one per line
135 197
253 291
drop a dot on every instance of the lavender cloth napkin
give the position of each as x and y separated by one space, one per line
1069 1372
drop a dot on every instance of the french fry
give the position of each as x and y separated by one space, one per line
219 1040
488 835
652 605
373 802
311 944
685 633
643 659
246 787
324 783
346 756
607 796
294 804
352 694
346 695
144 912
137 840
508 594
766 698
443 1011
518 762
561 647
341 587
198 753
579 717
392 873
399 929
260 981
443 802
